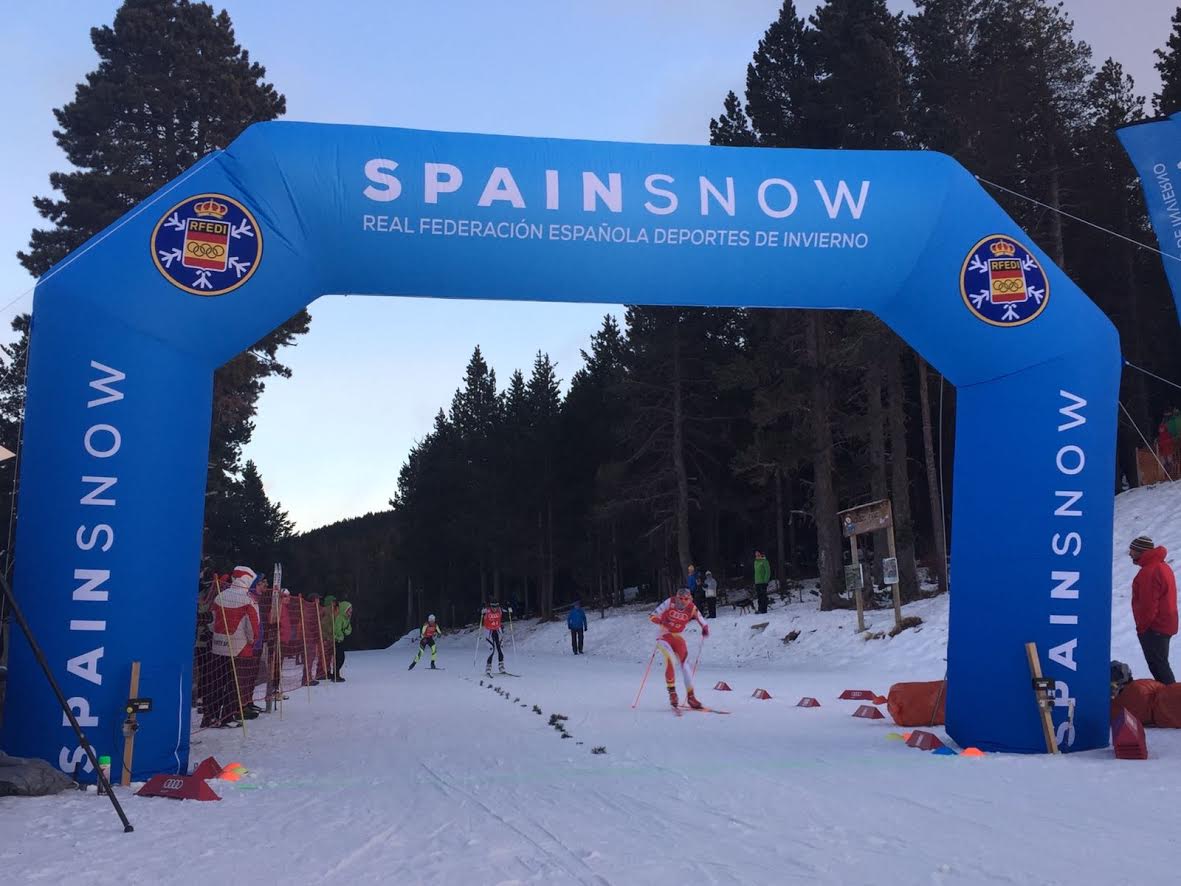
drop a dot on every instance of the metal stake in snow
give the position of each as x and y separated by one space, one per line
104 785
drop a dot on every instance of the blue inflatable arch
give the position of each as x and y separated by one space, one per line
128 330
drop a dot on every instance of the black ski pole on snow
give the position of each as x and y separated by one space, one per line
61 699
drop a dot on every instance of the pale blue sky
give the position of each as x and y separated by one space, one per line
372 372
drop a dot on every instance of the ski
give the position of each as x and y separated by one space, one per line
702 710
499 674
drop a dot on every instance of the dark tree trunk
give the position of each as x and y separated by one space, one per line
1056 241
933 491
900 481
549 557
684 554
877 434
877 453
825 497
792 561
780 552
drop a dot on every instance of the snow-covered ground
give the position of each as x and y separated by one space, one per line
421 777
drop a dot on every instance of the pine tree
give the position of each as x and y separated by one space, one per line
543 405
12 411
12 382
778 444
262 524
172 85
857 56
256 525
1001 85
945 86
591 414
516 515
1168 63
475 417
778 81
732 127
858 98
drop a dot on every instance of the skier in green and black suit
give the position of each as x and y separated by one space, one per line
426 637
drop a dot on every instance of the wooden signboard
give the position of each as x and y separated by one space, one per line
872 517
875 516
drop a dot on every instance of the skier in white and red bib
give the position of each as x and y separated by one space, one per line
673 615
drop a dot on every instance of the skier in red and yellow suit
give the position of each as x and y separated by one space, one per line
673 615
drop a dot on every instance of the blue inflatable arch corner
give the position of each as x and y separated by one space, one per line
128 330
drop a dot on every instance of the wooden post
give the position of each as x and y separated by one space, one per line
129 741
894 556
279 655
1044 701
857 585
307 662
237 689
320 634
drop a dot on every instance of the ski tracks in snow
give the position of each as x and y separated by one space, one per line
552 848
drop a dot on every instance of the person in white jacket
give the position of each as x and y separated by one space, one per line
711 595
235 628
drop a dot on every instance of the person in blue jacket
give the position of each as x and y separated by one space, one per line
576 622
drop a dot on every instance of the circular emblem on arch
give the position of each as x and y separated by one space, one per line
209 244
1002 283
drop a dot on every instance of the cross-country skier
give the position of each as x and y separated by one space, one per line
490 619
673 615
426 637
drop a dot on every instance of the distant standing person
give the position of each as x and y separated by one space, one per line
762 577
342 626
576 622
711 595
328 636
1154 605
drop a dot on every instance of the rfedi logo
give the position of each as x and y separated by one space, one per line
209 244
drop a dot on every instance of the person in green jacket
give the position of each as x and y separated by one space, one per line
762 578
335 624
342 626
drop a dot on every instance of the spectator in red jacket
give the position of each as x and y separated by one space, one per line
1154 605
1164 447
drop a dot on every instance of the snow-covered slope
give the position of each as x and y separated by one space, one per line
447 777
829 640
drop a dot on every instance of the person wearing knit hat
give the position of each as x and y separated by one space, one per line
235 625
1154 605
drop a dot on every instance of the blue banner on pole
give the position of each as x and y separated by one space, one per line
1155 149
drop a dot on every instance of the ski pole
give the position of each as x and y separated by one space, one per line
938 698
700 646
512 635
476 656
645 680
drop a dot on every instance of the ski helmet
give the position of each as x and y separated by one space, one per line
683 598
431 619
